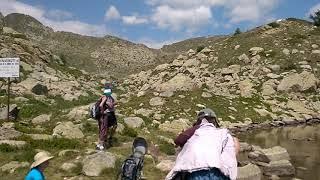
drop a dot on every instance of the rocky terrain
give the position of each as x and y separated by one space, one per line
266 77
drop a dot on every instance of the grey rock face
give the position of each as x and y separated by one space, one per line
94 164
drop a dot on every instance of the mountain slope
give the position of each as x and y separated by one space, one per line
108 55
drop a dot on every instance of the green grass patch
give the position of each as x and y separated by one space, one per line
166 147
129 132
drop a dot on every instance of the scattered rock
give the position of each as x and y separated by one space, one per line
156 101
255 50
286 51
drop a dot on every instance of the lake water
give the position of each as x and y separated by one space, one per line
302 143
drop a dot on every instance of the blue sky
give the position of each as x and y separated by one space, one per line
158 22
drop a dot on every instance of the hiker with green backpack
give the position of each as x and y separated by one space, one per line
107 120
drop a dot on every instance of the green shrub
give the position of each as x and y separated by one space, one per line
237 31
40 89
316 18
199 48
7 148
274 24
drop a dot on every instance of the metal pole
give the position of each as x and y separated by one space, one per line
8 98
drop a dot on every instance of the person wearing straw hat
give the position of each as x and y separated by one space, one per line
41 162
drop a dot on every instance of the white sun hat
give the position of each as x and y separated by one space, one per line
40 158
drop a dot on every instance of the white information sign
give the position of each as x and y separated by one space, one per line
9 67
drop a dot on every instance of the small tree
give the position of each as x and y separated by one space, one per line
316 18
238 31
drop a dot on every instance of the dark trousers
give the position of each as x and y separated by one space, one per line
105 122
210 174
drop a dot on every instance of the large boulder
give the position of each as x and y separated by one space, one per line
8 133
41 119
165 165
279 168
178 82
298 106
271 154
298 82
249 172
94 164
40 89
176 126
133 122
78 113
68 130
244 58
13 165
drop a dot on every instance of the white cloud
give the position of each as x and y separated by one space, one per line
151 43
45 17
313 9
179 14
59 15
250 10
177 19
133 20
182 4
112 13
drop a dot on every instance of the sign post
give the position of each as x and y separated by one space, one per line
9 67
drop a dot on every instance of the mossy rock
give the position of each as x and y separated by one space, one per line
40 89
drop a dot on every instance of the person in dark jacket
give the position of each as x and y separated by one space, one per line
108 120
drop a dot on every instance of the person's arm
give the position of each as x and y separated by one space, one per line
103 101
183 137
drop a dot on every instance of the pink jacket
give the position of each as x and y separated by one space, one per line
209 147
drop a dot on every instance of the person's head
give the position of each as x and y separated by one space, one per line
107 92
41 160
209 115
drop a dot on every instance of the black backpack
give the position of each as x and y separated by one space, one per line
95 110
131 168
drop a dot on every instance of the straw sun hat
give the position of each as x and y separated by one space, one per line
40 158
